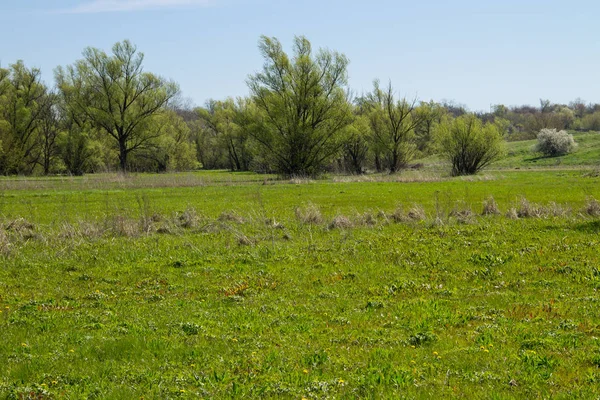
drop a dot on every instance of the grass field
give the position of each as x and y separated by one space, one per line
219 285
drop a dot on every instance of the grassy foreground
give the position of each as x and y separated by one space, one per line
221 286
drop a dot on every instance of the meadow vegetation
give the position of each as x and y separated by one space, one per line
220 285
333 247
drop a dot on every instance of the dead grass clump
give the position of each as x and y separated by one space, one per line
120 225
188 219
512 213
81 230
592 208
298 180
368 219
273 223
21 228
244 240
595 173
398 215
231 216
557 210
490 207
529 210
416 213
19 225
462 214
309 214
5 244
340 222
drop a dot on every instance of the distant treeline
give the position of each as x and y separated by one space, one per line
105 113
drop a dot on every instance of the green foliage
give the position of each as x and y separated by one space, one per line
591 122
429 115
170 149
393 124
228 122
469 144
24 101
355 150
552 143
303 104
116 96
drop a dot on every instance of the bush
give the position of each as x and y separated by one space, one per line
554 143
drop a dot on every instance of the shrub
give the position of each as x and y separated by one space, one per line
554 143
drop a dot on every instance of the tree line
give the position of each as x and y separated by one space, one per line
105 113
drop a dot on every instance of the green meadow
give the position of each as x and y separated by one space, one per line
222 285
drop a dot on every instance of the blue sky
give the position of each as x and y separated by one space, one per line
473 52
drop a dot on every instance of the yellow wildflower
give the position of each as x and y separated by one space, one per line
305 371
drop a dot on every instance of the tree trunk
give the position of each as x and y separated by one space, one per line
123 156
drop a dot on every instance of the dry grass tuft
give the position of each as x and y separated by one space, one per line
558 210
273 223
416 213
121 225
398 215
490 207
244 240
592 208
512 213
367 218
231 216
5 244
529 210
81 230
188 219
309 214
462 213
340 222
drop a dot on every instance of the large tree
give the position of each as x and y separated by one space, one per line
228 122
393 124
305 105
116 95
23 102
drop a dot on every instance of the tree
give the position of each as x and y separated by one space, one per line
23 101
305 105
171 149
429 116
116 95
228 124
48 133
469 144
356 144
393 124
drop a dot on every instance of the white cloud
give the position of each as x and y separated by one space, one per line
102 6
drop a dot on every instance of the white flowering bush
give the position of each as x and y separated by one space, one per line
553 143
